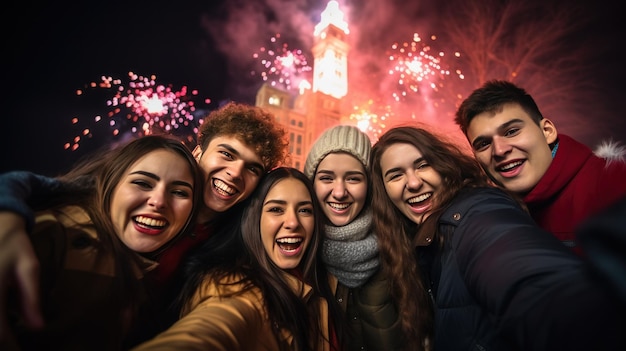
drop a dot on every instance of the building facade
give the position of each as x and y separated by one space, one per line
306 115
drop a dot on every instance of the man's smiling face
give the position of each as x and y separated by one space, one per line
511 147
231 170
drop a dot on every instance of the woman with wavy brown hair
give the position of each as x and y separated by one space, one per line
498 281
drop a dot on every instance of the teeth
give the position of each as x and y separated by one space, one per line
150 221
223 188
420 198
510 165
338 206
289 244
289 240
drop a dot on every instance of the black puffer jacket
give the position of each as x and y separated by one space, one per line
501 283
372 316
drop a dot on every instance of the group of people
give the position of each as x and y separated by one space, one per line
407 244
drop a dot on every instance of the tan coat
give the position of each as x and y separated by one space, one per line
77 275
226 317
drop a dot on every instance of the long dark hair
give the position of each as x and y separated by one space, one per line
241 252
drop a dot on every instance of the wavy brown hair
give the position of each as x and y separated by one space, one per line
396 232
91 184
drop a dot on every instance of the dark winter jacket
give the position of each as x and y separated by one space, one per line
603 239
501 283
372 316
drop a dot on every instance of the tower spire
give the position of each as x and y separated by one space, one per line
332 15
330 52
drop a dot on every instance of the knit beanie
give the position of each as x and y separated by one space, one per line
341 138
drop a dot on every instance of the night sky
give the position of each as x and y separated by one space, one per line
53 49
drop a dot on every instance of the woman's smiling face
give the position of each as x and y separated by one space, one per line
340 184
287 222
410 182
153 200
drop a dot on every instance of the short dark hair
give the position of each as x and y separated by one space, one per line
491 97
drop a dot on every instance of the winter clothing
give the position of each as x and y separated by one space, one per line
372 316
19 189
342 138
603 239
81 306
229 316
577 185
170 260
350 252
500 283
611 151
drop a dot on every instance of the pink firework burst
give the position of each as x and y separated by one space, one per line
281 66
418 68
141 106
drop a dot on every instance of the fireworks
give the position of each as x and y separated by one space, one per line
371 118
281 66
418 67
142 107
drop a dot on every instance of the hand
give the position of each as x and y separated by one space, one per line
19 268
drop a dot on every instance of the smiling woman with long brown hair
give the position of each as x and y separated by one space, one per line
266 289
497 280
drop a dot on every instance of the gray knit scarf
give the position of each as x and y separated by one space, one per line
351 251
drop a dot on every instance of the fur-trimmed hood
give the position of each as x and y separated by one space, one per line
611 151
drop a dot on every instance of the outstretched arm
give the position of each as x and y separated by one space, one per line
20 189
225 324
540 294
19 267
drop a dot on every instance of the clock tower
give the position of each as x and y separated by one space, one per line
318 106
330 52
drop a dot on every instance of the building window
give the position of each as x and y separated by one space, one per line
274 100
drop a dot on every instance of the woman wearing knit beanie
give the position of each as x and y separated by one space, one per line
338 165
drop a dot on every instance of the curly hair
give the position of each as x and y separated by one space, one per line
252 125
